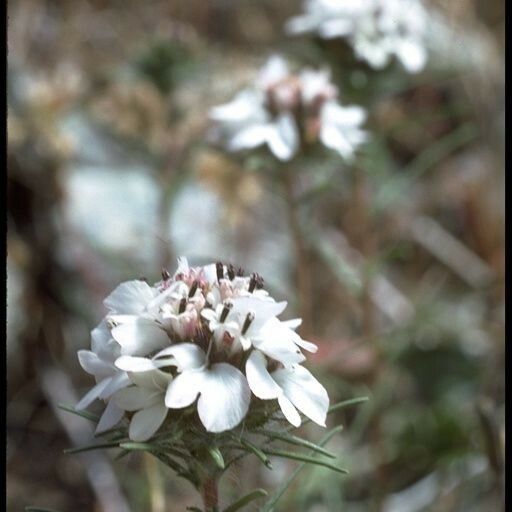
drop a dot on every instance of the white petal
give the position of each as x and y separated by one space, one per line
117 382
155 380
224 399
289 411
274 70
292 324
92 364
412 55
100 337
92 394
258 378
333 137
110 417
304 391
250 137
135 398
187 355
183 389
130 297
146 422
135 364
283 137
140 337
335 28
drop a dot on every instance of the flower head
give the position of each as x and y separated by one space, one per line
285 110
377 30
201 339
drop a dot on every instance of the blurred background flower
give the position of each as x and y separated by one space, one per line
399 252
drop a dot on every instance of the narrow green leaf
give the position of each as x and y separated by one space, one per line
92 447
254 449
304 458
269 505
257 493
295 440
216 455
139 446
84 414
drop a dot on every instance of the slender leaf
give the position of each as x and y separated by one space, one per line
259 453
92 447
295 440
270 504
84 414
257 493
304 458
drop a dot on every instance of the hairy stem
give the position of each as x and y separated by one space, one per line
210 494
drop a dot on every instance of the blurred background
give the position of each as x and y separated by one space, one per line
111 177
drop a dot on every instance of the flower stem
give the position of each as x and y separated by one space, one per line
302 260
210 494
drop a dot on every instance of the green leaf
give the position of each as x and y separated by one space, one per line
217 456
92 447
295 440
139 446
270 504
84 414
257 493
259 453
304 458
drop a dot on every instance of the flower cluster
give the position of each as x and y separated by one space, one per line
377 30
207 333
286 111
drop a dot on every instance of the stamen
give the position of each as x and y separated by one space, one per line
165 274
231 272
193 289
248 321
183 305
255 282
220 270
227 308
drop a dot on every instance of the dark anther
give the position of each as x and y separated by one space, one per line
183 305
231 272
255 282
248 321
165 274
143 279
193 289
220 270
225 311
240 272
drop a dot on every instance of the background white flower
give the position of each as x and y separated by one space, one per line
377 30
283 110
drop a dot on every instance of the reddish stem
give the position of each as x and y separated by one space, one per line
210 494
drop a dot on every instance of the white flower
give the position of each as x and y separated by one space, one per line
224 395
282 108
100 362
340 128
293 386
198 323
376 29
147 398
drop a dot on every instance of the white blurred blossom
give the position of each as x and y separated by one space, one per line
284 111
377 30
